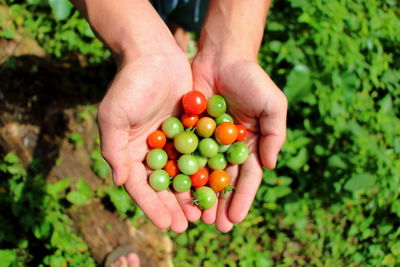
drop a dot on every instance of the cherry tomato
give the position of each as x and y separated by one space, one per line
189 121
171 151
194 102
226 133
172 167
200 178
205 197
205 127
159 180
219 180
157 139
242 132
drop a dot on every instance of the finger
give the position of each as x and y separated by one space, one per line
114 145
192 212
209 216
248 182
223 223
273 128
178 223
145 197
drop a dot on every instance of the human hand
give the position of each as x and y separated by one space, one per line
145 91
258 104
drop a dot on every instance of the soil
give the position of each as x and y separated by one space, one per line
39 100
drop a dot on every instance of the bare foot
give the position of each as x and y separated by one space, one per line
131 260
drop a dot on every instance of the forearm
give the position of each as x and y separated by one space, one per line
234 26
127 27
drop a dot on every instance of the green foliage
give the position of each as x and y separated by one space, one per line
57 26
333 199
33 219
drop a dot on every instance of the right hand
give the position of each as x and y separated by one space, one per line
144 92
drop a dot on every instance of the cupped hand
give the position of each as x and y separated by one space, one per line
258 104
144 92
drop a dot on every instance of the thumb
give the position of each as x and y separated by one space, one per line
114 145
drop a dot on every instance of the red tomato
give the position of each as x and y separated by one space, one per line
194 102
171 151
226 133
200 178
189 120
242 132
172 168
157 139
219 180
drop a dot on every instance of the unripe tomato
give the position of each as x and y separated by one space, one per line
172 167
205 127
226 133
219 180
157 139
200 178
189 121
194 102
205 197
242 132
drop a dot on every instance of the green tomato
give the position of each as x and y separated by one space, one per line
172 127
205 127
159 180
224 148
224 118
181 183
208 147
205 197
186 142
237 153
218 162
216 106
202 160
156 158
188 164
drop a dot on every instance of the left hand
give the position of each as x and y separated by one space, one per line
257 103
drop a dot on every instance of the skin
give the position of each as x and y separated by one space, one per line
226 64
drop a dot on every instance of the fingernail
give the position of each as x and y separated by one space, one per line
274 159
114 176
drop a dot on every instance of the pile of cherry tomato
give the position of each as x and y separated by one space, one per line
194 151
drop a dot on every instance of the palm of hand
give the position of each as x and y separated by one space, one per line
141 96
257 103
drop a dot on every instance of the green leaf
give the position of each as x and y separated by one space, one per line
297 162
11 158
298 84
101 168
84 188
61 8
7 257
337 162
76 197
60 186
388 260
360 181
121 200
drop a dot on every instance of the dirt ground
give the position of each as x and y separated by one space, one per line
39 100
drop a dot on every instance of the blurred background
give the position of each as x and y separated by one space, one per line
333 200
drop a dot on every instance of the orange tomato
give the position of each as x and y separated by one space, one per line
157 139
189 120
171 167
219 180
226 133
